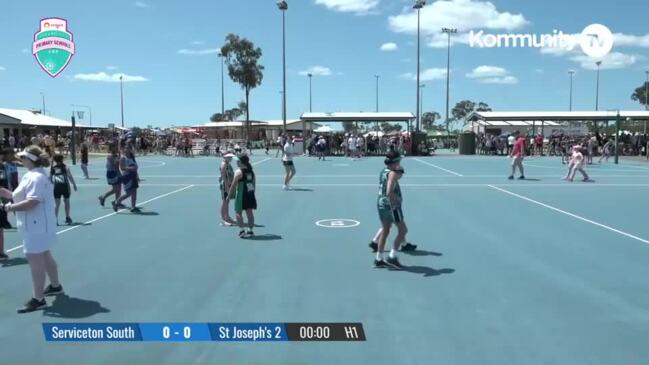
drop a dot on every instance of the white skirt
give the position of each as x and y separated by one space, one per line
38 242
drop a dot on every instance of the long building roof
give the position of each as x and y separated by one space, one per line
30 118
558 116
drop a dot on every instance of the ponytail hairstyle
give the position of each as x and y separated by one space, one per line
245 160
43 157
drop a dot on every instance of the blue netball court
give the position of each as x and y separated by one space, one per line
523 272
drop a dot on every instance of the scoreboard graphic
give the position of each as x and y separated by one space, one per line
202 332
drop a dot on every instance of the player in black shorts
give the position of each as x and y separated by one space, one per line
243 185
61 178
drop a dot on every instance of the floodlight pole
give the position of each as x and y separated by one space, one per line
448 31
283 7
418 5
598 63
43 97
572 73
72 141
646 101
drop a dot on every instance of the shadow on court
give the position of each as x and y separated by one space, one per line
265 237
76 224
301 189
421 253
528 179
65 306
140 213
14 261
91 178
427 271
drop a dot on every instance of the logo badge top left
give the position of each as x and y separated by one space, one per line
53 45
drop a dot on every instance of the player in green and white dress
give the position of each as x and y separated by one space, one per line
390 212
243 185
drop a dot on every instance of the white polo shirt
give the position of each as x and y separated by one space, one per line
37 225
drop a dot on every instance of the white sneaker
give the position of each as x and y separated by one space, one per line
284 187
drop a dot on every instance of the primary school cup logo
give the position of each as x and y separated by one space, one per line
53 45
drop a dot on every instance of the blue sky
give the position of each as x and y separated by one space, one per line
167 48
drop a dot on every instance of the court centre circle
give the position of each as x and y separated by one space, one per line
337 223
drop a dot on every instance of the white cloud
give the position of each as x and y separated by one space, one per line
389 47
539 70
507 80
104 77
486 71
465 15
25 50
2 68
198 52
316 71
198 43
614 60
429 74
492 75
630 40
111 68
359 7
141 4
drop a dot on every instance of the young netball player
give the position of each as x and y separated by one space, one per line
61 177
113 175
84 160
517 155
287 161
12 168
390 212
243 188
570 162
606 151
225 181
578 163
130 180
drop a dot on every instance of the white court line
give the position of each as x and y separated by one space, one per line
557 176
438 167
111 214
262 161
553 185
570 214
587 168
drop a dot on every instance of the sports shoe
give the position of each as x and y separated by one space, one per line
374 246
510 178
522 177
7 225
32 305
114 206
227 224
102 200
394 263
250 233
284 187
136 210
242 234
68 220
3 257
408 247
380 264
50 290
